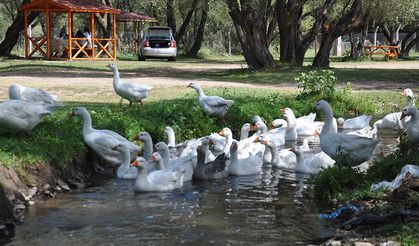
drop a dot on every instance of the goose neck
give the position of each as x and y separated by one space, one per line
328 120
148 147
171 139
115 76
165 155
244 133
160 164
87 123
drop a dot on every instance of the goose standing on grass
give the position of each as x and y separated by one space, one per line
212 105
29 94
412 126
127 89
354 123
125 171
161 180
102 141
348 148
311 164
21 116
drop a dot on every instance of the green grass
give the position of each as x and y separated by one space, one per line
58 139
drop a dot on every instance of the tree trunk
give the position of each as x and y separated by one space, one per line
105 21
408 45
389 34
171 21
250 23
293 43
186 21
200 31
13 32
349 21
357 44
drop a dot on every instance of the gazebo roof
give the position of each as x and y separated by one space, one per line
69 5
135 17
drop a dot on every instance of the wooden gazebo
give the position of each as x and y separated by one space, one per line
130 42
77 48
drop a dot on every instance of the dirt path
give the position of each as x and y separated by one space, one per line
62 81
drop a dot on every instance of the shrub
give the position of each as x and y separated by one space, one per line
321 83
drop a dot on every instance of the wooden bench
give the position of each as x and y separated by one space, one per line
389 51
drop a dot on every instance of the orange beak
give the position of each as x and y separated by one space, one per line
153 158
109 65
222 132
136 138
190 85
72 114
292 149
282 110
404 93
265 142
253 127
256 140
402 117
316 133
135 163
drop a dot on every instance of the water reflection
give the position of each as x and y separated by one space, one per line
272 208
268 208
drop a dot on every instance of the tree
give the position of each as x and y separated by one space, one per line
349 18
171 20
252 20
105 20
294 42
14 30
200 31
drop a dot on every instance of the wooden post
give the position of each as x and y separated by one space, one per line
70 32
70 35
48 32
114 36
92 27
26 34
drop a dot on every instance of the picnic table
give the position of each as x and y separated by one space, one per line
390 51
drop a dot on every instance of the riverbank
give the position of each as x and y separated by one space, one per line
54 150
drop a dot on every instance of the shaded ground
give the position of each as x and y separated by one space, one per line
60 80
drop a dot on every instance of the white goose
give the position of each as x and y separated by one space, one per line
148 144
392 121
184 164
291 129
412 126
102 141
21 116
312 164
349 148
251 164
274 158
185 148
161 180
226 132
29 94
127 89
125 171
357 122
212 105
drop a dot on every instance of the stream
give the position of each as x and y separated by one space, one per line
274 208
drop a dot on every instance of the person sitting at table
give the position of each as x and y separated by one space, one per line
87 34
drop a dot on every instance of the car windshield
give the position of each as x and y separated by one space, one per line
159 33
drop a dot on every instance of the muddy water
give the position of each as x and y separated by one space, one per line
274 208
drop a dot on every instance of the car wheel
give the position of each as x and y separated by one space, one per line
172 58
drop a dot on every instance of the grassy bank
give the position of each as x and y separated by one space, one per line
58 139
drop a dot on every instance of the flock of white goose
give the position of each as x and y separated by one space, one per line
217 155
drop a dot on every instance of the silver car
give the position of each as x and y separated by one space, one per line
158 42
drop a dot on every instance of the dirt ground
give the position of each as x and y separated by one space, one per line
60 82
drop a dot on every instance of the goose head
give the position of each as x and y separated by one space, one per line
340 120
408 93
139 163
256 118
206 140
142 136
246 127
112 66
288 114
156 157
234 146
161 146
296 150
408 111
168 130
79 111
279 123
263 139
194 85
226 132
120 148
